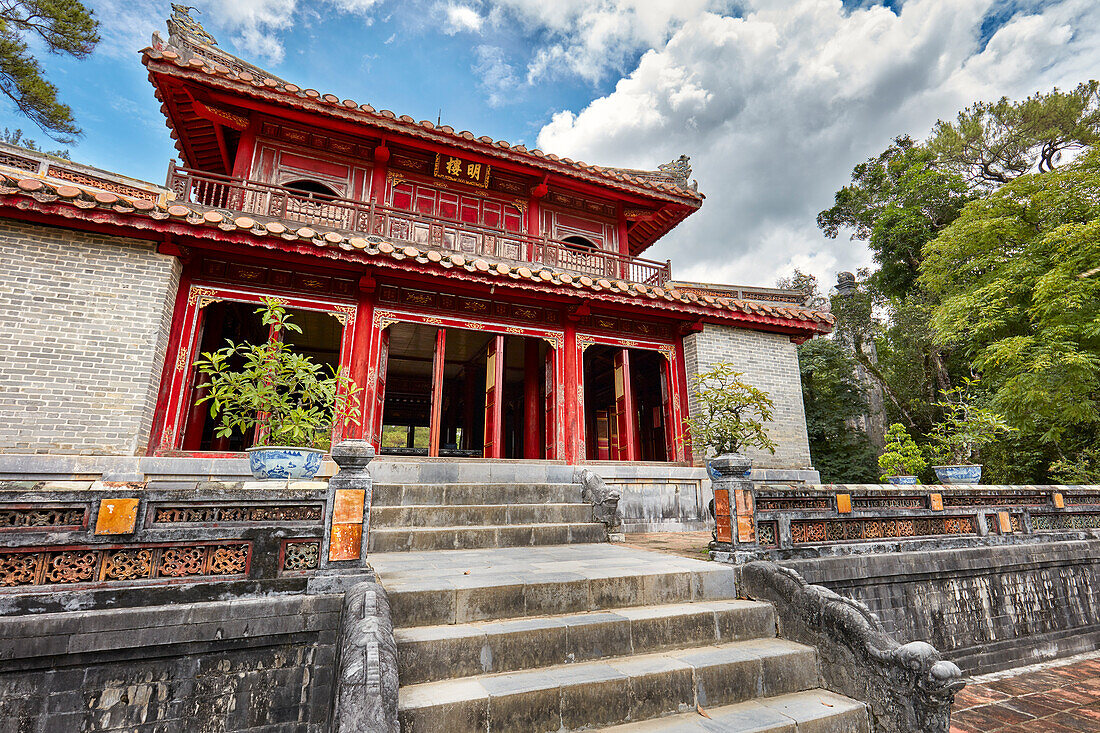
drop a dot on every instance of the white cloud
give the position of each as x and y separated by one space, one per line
461 19
590 38
495 75
776 107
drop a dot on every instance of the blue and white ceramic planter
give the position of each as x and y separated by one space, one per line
901 480
281 462
958 474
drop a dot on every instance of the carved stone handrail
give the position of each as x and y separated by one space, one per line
604 500
366 682
908 687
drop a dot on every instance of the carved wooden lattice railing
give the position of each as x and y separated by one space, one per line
790 521
369 218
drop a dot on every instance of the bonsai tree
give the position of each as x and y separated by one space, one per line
286 398
731 415
966 427
901 456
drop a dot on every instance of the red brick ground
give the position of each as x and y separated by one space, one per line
1044 699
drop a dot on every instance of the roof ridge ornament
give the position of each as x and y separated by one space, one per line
680 170
182 24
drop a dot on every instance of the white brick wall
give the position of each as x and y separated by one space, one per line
769 362
84 322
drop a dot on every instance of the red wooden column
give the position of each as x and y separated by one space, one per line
494 402
532 369
242 162
624 408
571 383
378 174
437 391
359 368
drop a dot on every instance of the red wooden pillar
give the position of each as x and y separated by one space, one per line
624 408
437 392
532 369
359 366
571 383
378 174
494 402
175 343
242 161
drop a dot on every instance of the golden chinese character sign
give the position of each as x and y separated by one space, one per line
463 171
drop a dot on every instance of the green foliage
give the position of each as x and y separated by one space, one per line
15 137
1020 289
58 26
990 143
733 413
1083 469
286 395
967 425
896 202
901 456
833 401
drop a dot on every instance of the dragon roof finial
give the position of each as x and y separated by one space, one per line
181 23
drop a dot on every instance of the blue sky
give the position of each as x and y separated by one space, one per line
774 100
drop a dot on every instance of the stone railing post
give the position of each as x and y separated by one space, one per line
348 514
733 502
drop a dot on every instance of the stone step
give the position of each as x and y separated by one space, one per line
453 494
433 598
479 514
413 539
430 653
819 711
616 690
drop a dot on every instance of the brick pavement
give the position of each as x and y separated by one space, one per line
1054 697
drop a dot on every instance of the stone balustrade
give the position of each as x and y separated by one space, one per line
132 541
799 521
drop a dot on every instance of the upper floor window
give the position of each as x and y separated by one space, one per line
580 243
311 189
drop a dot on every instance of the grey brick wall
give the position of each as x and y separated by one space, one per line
769 362
84 322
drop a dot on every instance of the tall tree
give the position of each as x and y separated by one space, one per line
896 202
834 403
60 26
1019 293
990 143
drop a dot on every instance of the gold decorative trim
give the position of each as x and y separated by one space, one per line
182 360
394 178
585 341
555 341
384 319
520 205
343 313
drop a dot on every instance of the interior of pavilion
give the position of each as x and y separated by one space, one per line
320 338
462 390
621 381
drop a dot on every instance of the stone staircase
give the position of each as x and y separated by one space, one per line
512 614
465 516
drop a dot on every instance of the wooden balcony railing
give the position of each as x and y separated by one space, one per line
265 200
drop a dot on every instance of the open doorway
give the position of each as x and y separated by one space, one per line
626 405
238 321
462 393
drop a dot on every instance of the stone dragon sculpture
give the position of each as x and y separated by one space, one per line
909 687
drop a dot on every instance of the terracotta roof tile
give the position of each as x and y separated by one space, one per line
45 192
291 90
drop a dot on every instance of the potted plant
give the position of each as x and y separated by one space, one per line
901 459
731 414
965 429
288 402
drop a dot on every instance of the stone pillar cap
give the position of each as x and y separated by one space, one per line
355 453
730 464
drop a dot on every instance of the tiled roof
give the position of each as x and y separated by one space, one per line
14 186
187 62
